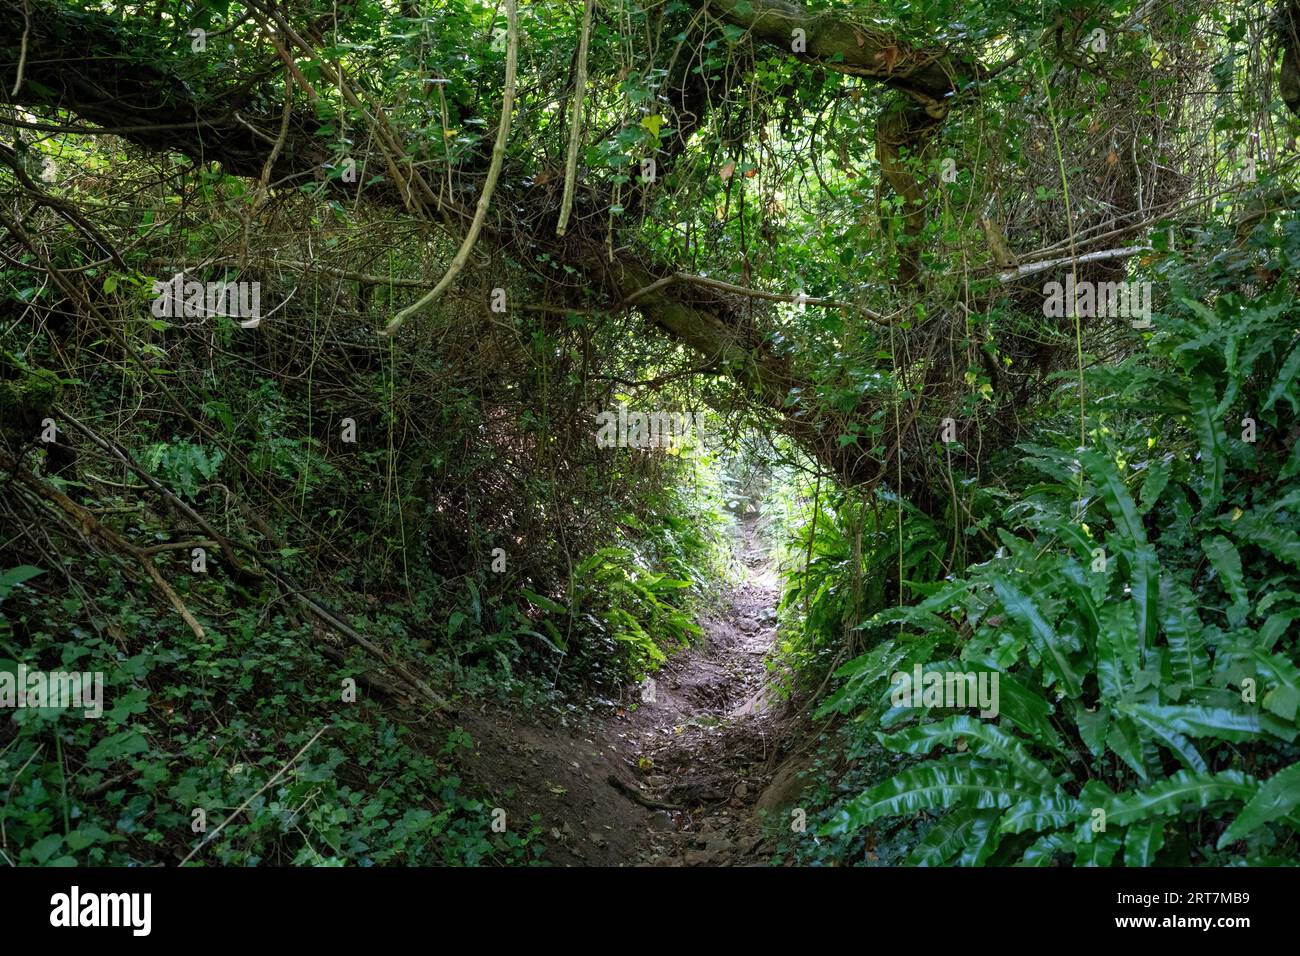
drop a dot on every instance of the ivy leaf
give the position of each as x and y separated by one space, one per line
15 576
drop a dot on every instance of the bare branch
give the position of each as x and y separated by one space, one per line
494 171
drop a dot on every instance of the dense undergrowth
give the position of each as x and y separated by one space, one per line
474 543
298 547
1138 599
202 723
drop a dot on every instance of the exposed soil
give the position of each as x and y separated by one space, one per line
675 779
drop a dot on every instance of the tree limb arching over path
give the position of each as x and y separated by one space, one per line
809 245
134 85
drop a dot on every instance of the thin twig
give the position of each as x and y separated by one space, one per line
494 171
1033 267
240 809
22 50
575 122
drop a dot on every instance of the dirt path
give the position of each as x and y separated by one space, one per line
675 779
704 741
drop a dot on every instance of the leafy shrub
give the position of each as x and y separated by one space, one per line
850 565
183 465
636 600
1140 612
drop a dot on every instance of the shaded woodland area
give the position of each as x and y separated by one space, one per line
947 339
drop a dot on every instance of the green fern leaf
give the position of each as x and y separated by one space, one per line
1141 556
1279 795
1227 562
1044 850
1170 796
1047 811
1143 841
1285 697
1209 431
1183 633
970 833
929 786
985 739
1051 647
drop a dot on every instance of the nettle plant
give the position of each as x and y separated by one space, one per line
1141 611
